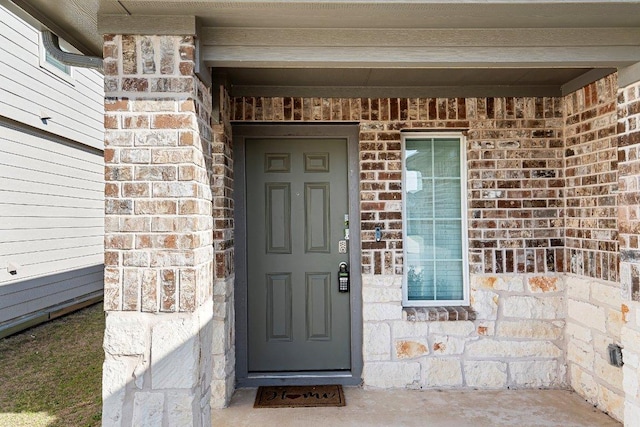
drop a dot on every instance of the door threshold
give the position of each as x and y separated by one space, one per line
256 379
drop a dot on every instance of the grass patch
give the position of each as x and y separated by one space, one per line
51 374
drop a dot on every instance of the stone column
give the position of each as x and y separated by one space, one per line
159 255
629 237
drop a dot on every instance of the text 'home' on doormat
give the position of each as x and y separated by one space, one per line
299 396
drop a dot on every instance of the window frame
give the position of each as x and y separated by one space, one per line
464 232
52 68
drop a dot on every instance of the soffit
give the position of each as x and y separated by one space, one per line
337 43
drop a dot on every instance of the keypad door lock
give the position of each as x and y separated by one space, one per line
343 277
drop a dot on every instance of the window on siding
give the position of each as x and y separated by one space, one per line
434 220
51 64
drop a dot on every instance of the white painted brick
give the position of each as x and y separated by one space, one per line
376 341
147 409
391 374
445 372
532 329
537 373
534 307
485 374
587 314
493 348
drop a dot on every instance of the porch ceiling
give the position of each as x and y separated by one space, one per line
371 48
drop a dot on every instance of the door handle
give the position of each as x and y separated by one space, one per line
343 277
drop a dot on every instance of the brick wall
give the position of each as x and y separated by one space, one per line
591 160
628 218
515 172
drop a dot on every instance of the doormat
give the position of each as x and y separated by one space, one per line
299 396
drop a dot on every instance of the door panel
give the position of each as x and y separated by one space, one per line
296 202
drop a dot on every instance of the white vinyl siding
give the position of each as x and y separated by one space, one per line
51 220
28 91
434 220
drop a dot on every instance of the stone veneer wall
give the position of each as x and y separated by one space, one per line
629 221
163 159
594 316
515 173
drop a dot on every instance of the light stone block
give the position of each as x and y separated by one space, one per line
445 372
631 382
378 312
376 341
180 409
587 314
405 329
147 409
611 402
615 323
632 414
371 294
577 288
219 337
537 373
378 280
580 353
498 283
531 329
391 374
583 383
527 307
446 345
512 349
485 374
579 332
545 284
115 374
126 333
459 328
630 339
606 294
410 349
486 329
175 353
485 304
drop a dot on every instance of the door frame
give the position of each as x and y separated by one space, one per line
350 132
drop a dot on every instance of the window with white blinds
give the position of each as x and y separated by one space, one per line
434 217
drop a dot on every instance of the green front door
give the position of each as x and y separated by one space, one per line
296 199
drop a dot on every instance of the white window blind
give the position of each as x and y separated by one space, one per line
434 221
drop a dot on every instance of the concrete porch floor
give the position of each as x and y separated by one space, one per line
522 408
